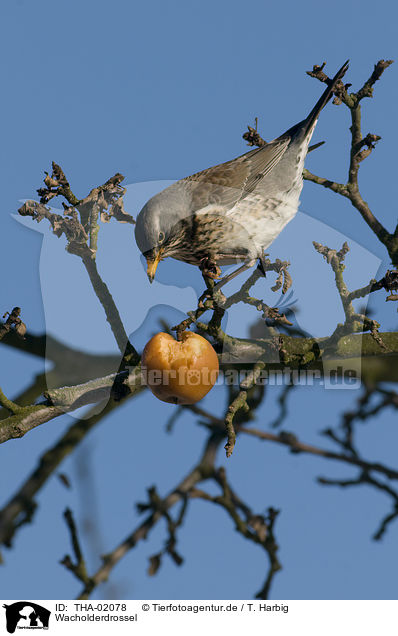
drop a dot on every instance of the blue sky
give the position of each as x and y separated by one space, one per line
157 91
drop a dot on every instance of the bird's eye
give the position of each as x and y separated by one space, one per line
161 237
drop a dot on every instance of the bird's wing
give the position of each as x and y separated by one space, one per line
227 183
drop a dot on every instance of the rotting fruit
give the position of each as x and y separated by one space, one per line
180 371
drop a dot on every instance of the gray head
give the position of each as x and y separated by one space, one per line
158 226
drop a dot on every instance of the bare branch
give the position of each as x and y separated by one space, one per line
21 507
201 471
79 566
13 323
80 226
240 402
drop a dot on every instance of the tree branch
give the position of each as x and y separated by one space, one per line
200 472
21 507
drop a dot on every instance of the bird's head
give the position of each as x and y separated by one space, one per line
156 231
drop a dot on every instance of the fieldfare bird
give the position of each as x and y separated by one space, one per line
233 211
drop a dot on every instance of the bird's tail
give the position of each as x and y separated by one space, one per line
305 126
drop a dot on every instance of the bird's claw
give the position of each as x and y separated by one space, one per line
209 268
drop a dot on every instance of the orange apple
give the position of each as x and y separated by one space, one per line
180 372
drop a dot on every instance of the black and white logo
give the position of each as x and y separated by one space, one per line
26 615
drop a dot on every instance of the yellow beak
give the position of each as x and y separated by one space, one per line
152 265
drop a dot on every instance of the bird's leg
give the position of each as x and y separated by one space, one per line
246 265
263 263
209 293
